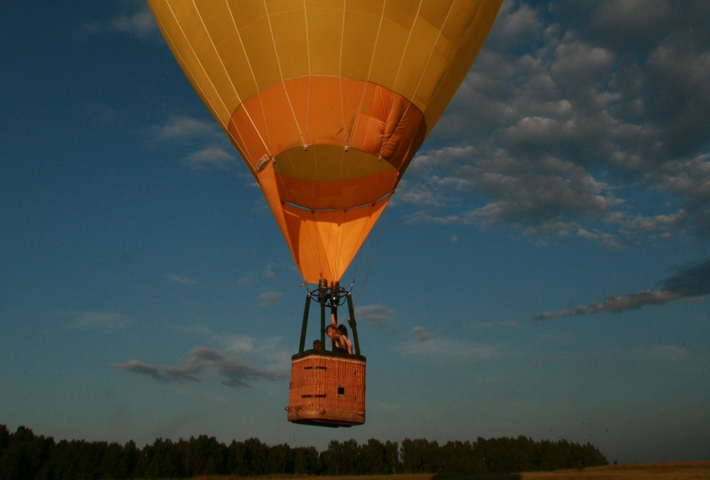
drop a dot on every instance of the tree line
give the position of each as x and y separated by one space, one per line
26 456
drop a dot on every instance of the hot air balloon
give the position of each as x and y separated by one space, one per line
327 102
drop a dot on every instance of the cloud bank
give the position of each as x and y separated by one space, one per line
376 316
230 370
182 280
137 22
100 321
566 128
211 149
423 344
689 285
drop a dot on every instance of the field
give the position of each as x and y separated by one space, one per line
657 471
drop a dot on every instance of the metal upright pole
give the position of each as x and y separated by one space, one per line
302 345
323 285
353 324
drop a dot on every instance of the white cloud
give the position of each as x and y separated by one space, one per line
607 239
235 373
669 352
633 20
138 23
423 216
213 150
422 335
448 350
134 366
100 321
182 280
661 225
579 64
481 326
210 157
183 127
377 316
517 19
555 131
240 345
268 351
230 370
489 325
537 196
183 374
613 304
194 330
270 299
268 271
689 285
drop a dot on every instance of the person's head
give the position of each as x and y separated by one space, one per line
317 345
332 332
343 330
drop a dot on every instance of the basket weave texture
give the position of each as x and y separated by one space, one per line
327 389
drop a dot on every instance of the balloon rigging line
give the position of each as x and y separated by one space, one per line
234 88
421 75
331 234
225 127
369 72
362 259
308 113
221 62
184 63
333 227
281 74
318 240
198 60
461 40
312 245
256 84
361 240
308 56
374 254
418 83
406 45
340 74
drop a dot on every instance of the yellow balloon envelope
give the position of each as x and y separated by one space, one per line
326 101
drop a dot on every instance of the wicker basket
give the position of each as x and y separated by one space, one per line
327 389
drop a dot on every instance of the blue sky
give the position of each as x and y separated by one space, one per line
542 270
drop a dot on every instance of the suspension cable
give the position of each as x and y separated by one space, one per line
374 254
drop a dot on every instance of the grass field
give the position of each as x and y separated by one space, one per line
656 471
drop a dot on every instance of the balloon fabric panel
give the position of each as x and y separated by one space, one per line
327 241
327 101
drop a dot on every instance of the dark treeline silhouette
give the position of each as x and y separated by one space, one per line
26 456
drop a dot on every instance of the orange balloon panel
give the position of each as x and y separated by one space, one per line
326 101
327 178
328 111
323 243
